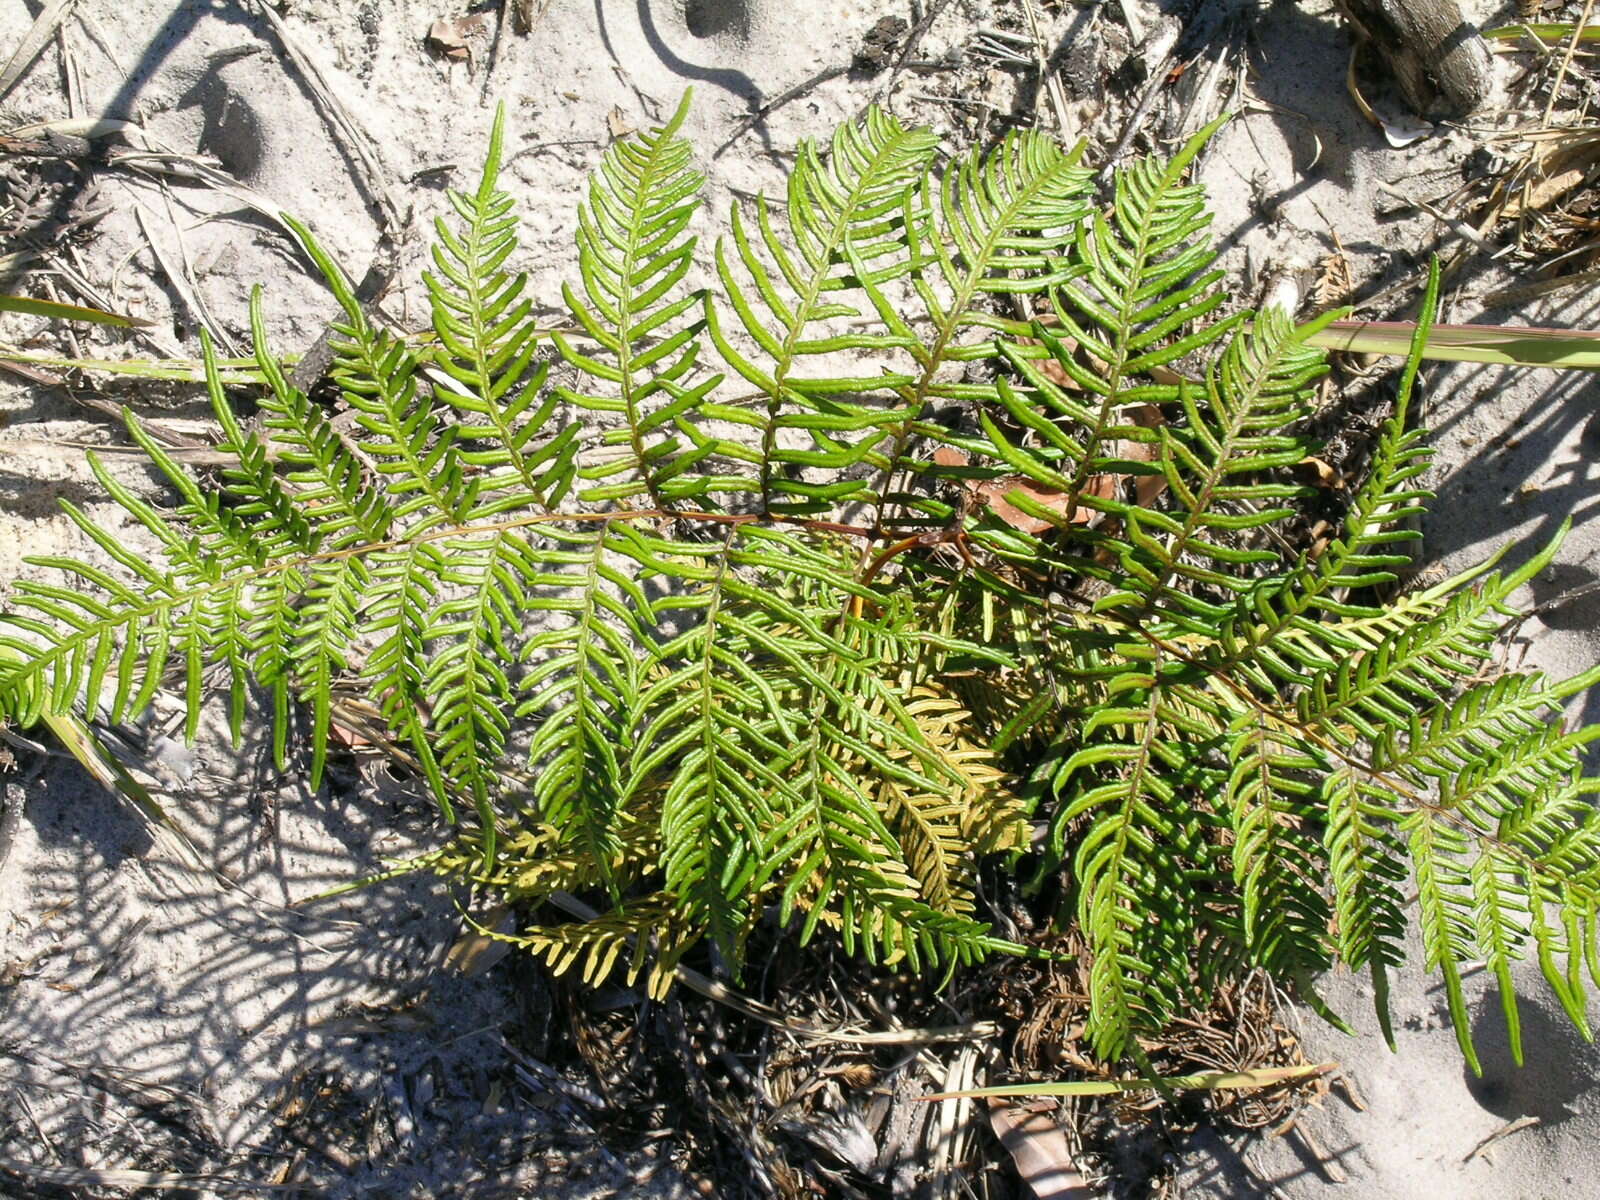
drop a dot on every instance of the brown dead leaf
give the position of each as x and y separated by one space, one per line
617 122
1546 192
1147 489
475 951
1053 370
1056 373
1314 472
1321 532
453 39
992 493
1039 1149
343 735
1566 161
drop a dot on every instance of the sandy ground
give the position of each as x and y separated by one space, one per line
289 1033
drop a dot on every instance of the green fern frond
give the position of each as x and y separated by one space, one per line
1376 690
331 482
718 719
409 443
995 226
1217 466
323 633
474 639
1444 904
1132 868
1278 860
583 683
482 320
1365 555
634 253
1366 868
535 860
1145 281
396 617
842 226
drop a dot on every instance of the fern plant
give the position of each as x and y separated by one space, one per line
949 519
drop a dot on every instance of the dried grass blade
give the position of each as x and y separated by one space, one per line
1260 1077
38 36
374 175
1553 33
180 277
1507 345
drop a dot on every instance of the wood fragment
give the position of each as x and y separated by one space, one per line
946 1137
549 1079
98 37
1440 62
1460 228
617 123
182 277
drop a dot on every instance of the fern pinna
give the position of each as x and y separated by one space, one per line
949 519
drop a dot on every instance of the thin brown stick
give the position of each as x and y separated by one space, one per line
913 40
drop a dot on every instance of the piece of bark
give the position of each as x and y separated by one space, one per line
1437 55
